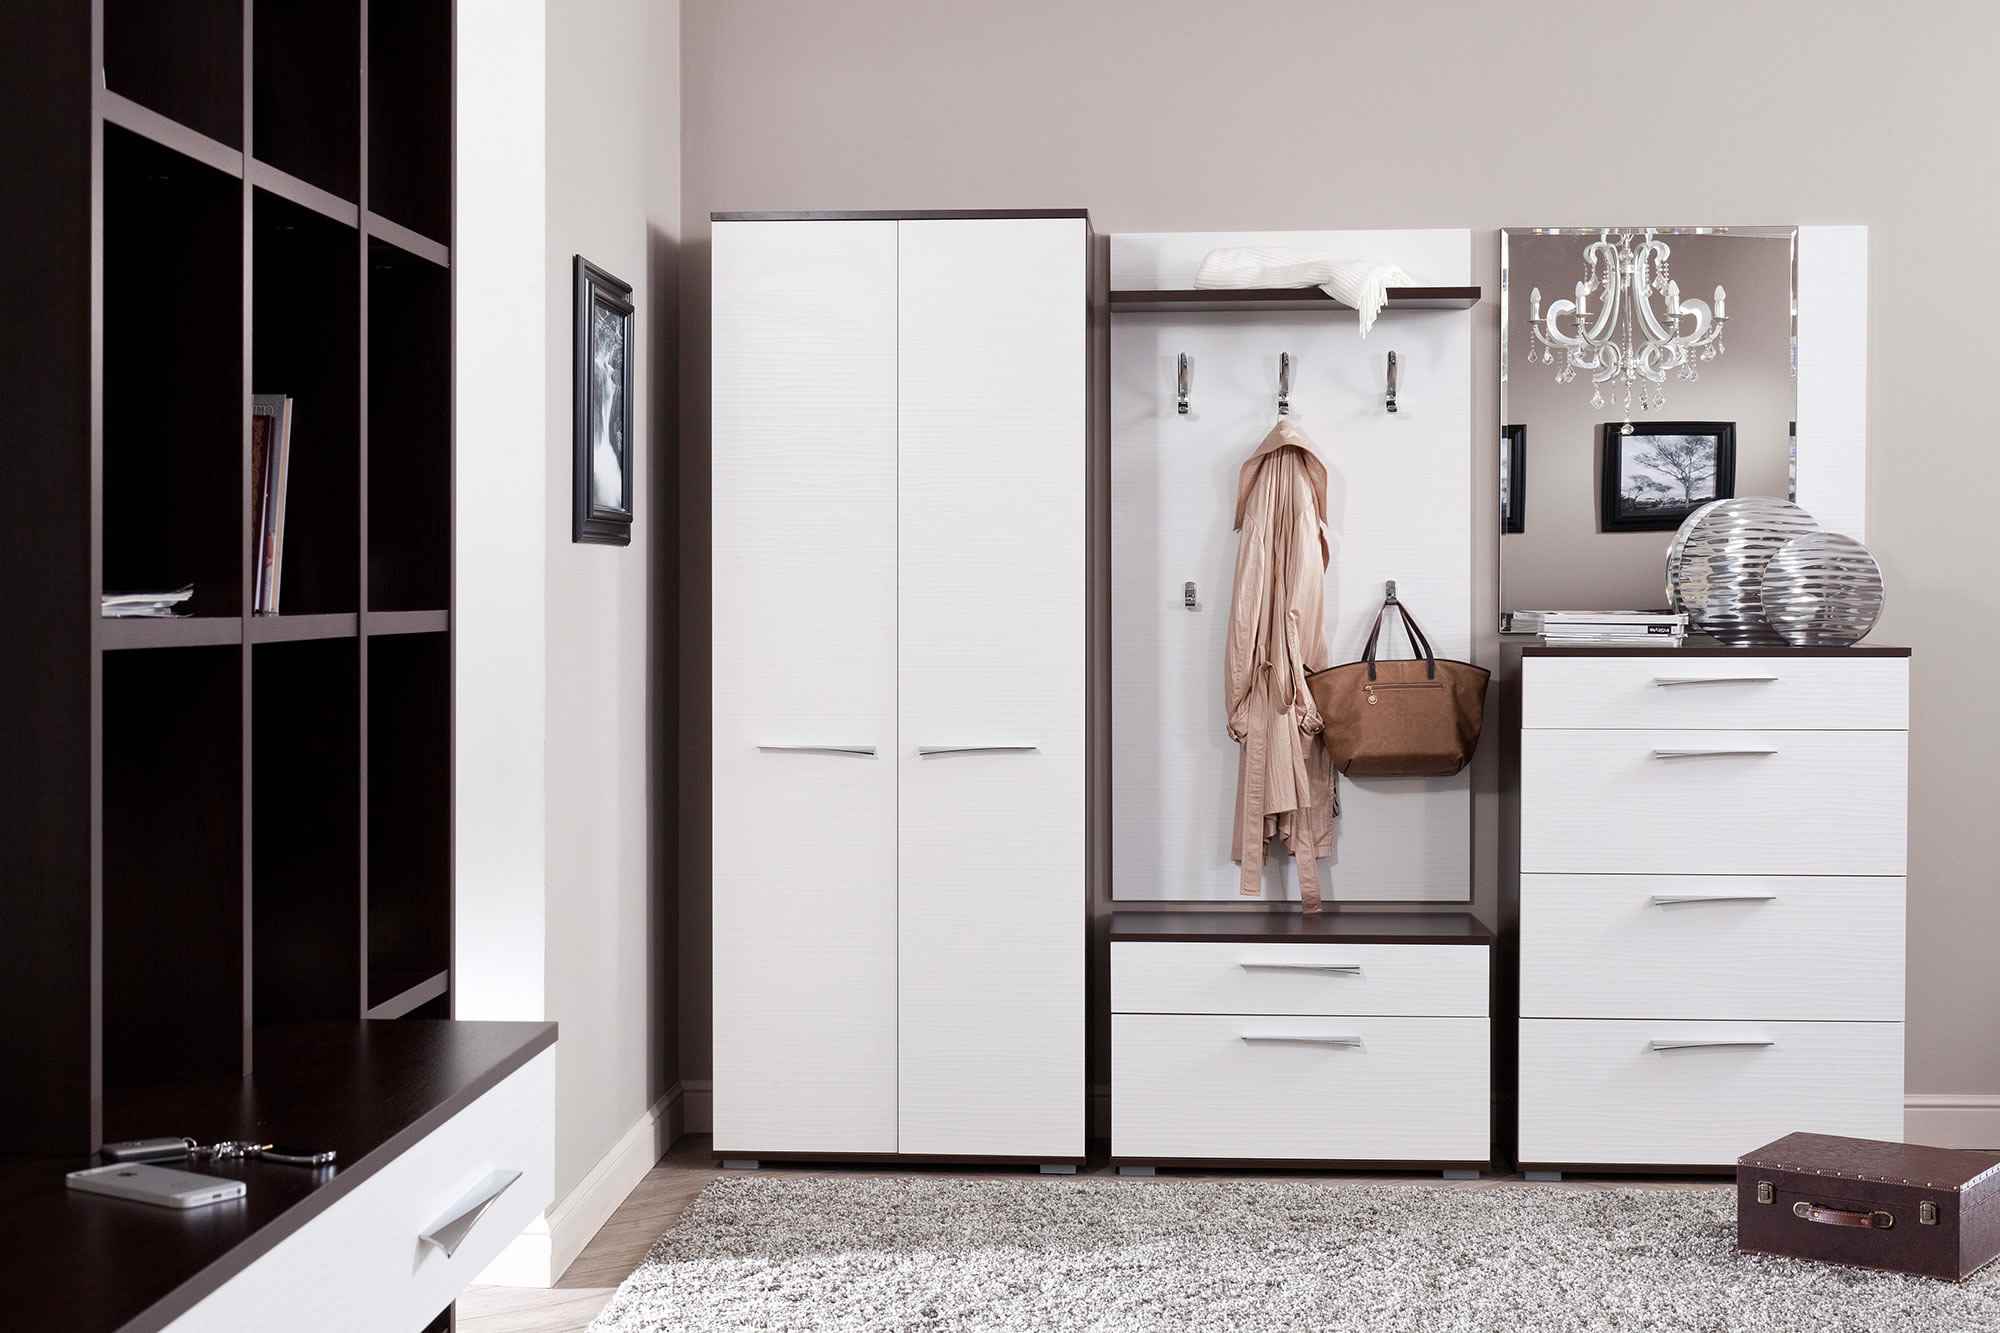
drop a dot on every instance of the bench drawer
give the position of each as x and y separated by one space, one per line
1217 978
1748 693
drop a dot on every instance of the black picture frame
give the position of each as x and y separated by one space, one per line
1697 456
603 310
1514 478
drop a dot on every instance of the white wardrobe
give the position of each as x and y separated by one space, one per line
899 441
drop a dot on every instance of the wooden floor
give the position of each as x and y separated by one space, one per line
659 1200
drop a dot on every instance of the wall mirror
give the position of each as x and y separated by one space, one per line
1643 372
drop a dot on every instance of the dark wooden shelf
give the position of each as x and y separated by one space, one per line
304 193
1332 927
171 134
1699 645
410 242
408 622
292 629
169 632
412 997
1204 300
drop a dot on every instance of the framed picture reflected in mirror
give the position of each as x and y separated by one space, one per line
1651 475
601 482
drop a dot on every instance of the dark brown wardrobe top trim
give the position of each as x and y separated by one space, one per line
898 215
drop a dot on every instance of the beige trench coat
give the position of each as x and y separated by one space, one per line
1277 633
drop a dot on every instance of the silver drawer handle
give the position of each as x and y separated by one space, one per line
1673 753
819 749
1301 1039
450 1231
1669 899
1693 1043
974 749
1343 969
1712 680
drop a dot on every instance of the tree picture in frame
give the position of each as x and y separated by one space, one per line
601 482
1653 475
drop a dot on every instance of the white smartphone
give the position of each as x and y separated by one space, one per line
157 1185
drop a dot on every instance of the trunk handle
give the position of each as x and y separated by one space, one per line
1879 1220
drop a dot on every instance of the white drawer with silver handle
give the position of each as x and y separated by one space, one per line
406 1241
1208 977
1240 1088
1714 802
1711 946
1766 693
1681 1093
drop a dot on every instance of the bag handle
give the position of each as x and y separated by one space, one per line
1417 637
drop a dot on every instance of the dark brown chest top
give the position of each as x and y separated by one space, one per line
1698 645
1334 927
1874 1159
367 1090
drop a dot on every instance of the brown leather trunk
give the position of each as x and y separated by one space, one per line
1934 1212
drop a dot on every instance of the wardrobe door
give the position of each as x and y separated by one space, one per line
804 497
991 670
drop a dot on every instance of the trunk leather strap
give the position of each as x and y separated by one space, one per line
1879 1220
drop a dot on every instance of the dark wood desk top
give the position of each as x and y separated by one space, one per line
1335 927
1696 645
369 1091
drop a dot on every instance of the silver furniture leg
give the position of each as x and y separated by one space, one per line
1058 1169
1542 1175
1461 1175
1135 1170
739 1164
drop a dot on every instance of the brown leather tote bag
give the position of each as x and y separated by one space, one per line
1414 719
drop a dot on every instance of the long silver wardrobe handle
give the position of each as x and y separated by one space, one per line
1696 753
820 749
1667 681
1693 1043
1344 969
1301 1038
450 1231
1669 899
973 749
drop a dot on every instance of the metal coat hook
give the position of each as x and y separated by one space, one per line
1389 593
1392 407
1186 377
1284 384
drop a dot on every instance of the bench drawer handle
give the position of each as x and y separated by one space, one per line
450 1231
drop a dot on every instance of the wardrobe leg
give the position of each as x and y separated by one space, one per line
739 1164
1461 1175
1058 1168
1541 1175
1135 1170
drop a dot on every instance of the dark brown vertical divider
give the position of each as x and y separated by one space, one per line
246 556
361 510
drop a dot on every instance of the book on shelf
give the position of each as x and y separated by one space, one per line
145 605
270 470
1624 627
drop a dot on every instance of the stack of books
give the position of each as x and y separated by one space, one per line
139 605
270 471
1614 627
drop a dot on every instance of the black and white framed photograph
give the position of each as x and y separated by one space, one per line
1654 474
602 482
1514 478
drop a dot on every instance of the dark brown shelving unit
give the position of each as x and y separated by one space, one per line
1257 299
215 823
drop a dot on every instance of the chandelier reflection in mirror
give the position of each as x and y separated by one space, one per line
1623 341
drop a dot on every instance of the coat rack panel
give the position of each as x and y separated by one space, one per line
1399 507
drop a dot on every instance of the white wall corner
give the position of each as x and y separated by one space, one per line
540 1255
1953 1119
699 1103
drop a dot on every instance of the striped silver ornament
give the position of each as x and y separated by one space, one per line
1719 577
1674 549
1822 588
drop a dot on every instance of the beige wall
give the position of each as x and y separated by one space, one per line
1189 114
1562 561
613 196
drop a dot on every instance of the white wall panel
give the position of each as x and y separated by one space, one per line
1400 504
1833 377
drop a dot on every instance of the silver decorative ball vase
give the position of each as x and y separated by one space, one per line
1674 549
1722 552
1822 588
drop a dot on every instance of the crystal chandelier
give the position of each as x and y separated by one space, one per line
1623 340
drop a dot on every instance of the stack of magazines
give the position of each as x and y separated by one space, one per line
1650 627
138 605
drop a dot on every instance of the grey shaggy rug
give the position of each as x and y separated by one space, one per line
937 1253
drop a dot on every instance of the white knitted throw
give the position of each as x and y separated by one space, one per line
1361 283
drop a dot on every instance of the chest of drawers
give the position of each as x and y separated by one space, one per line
1711 858
1277 1039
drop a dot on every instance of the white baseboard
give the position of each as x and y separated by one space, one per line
1952 1119
539 1256
698 1096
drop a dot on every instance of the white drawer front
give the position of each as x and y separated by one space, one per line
1597 1090
1714 802
1711 946
1208 978
1766 693
359 1265
1366 1089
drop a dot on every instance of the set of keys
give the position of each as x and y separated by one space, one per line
222 1150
